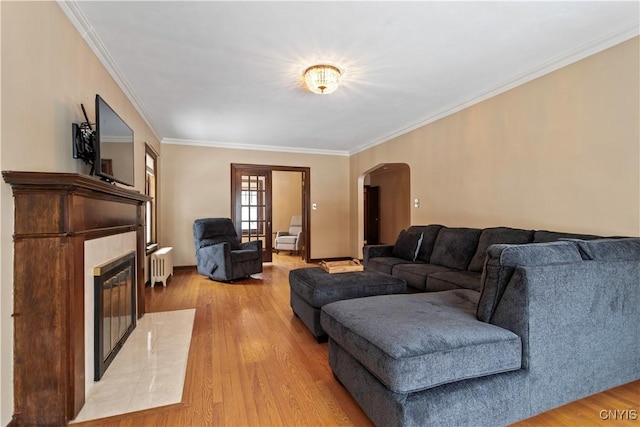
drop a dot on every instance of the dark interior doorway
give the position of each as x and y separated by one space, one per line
371 215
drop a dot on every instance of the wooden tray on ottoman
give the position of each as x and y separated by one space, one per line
341 266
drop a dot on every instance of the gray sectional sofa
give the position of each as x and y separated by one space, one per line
448 258
541 324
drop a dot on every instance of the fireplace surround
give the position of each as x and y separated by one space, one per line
55 214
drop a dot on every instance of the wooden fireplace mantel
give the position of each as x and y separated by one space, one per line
55 213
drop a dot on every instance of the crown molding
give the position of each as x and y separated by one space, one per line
75 15
574 55
79 20
237 146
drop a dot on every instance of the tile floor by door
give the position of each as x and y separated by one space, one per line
148 371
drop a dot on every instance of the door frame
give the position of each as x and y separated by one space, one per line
306 195
237 185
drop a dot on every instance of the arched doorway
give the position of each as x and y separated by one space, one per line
392 184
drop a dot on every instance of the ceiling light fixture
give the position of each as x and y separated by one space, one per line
322 79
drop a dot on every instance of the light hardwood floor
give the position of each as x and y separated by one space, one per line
252 363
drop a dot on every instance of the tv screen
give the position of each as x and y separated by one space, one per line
113 145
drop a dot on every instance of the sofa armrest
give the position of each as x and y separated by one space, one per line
255 245
211 258
373 251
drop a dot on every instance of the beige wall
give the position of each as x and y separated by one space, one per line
287 198
47 71
196 184
561 152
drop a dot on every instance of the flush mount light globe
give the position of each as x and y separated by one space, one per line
322 79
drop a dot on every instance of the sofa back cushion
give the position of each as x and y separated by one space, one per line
407 245
544 236
429 235
496 235
502 261
454 247
610 249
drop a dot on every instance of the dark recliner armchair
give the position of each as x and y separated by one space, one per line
219 253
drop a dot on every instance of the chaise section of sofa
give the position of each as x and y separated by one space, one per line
447 344
554 322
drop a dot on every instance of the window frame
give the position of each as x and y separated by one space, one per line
151 208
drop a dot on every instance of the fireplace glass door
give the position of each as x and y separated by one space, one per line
114 309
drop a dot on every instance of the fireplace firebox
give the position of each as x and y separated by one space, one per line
115 309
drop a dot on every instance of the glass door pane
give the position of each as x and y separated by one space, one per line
252 210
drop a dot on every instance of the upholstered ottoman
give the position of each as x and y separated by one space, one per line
311 288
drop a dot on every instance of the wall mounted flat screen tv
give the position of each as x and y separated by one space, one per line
113 146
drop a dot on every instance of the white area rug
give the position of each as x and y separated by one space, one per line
148 371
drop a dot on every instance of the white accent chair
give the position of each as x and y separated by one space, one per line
290 240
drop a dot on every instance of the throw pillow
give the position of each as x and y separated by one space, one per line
407 245
429 235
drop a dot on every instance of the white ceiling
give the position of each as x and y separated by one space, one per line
230 73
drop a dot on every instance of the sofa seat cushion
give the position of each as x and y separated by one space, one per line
416 274
419 341
385 264
447 280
